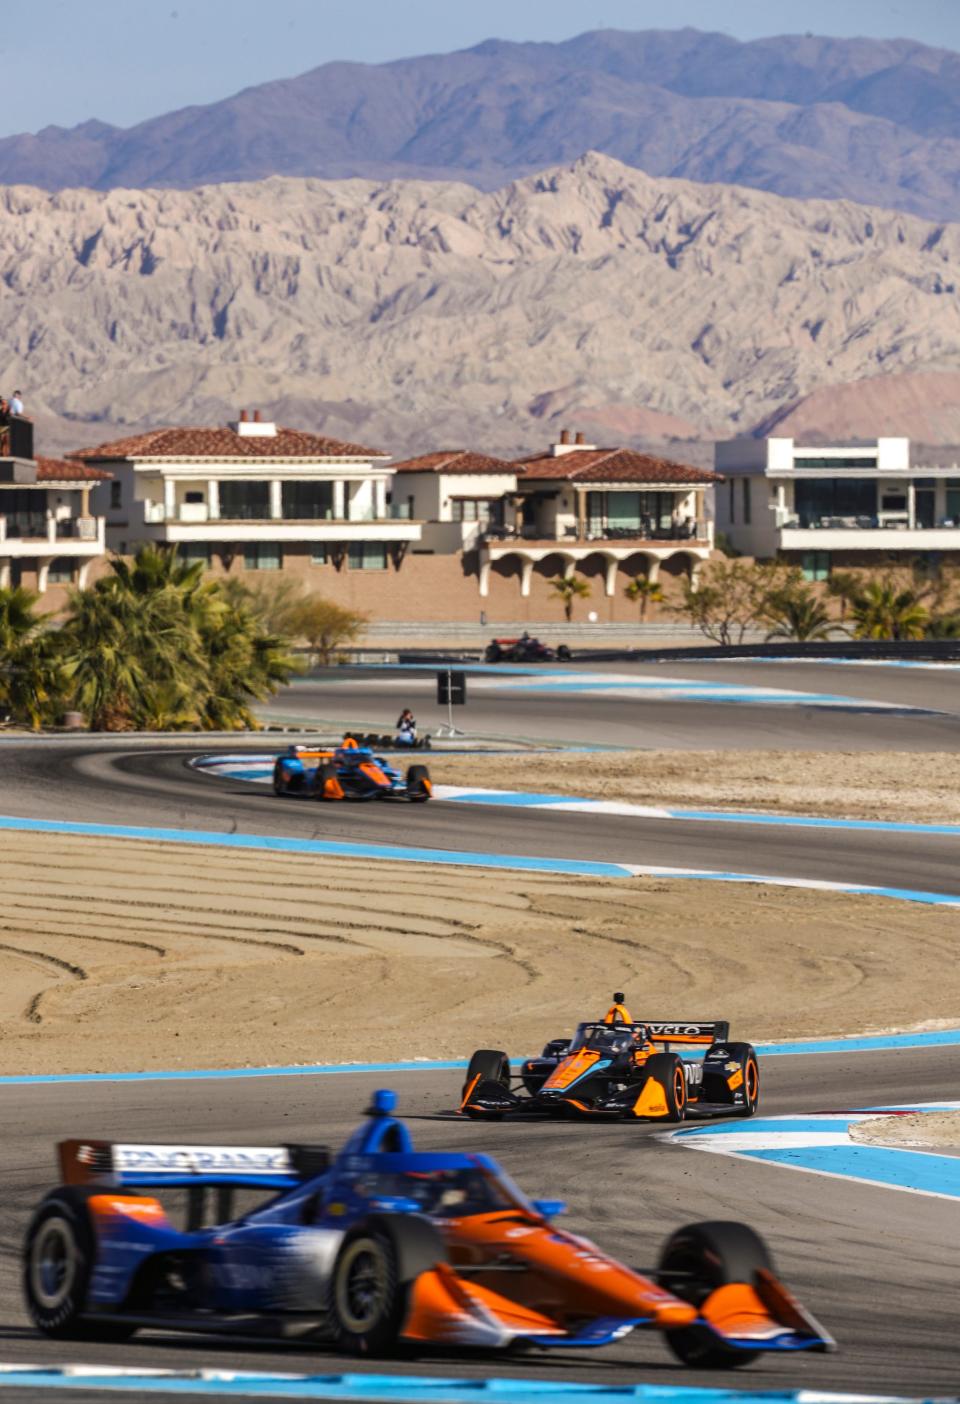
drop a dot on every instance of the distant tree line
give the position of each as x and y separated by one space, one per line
156 645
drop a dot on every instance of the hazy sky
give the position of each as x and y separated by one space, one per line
64 61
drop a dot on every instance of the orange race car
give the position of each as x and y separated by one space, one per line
349 772
619 1067
378 1247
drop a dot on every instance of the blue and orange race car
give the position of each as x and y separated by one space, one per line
349 772
378 1247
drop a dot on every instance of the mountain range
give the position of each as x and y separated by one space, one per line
415 315
877 121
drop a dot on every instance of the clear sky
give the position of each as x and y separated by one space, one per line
64 61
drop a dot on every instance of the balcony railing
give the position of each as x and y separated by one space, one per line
647 531
885 521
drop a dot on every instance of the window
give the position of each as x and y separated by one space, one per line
245 502
367 555
311 500
318 554
813 462
487 511
854 499
816 565
746 501
60 572
953 501
192 551
116 496
263 555
193 497
732 516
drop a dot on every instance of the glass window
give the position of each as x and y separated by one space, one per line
245 502
732 514
193 497
262 555
484 510
192 551
60 572
308 500
367 555
814 462
746 500
953 503
318 553
816 565
116 495
817 502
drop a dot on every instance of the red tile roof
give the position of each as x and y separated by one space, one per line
60 470
613 465
224 443
455 461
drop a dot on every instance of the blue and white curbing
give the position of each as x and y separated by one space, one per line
400 1389
821 1144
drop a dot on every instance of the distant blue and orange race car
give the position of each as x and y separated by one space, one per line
623 1068
350 772
378 1248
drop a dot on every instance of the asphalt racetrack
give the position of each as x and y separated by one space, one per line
879 1267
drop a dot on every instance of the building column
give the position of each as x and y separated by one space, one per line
911 506
276 499
569 566
4 575
610 583
696 567
485 578
379 499
526 575
84 501
83 571
213 499
339 514
43 572
169 499
581 513
653 569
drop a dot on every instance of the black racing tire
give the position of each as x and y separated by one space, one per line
279 784
489 1064
746 1056
704 1257
326 771
58 1258
373 1277
492 653
667 1068
563 653
417 791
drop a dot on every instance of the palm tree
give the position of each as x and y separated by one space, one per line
30 677
884 610
645 590
569 588
797 614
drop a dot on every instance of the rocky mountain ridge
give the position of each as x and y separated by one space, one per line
421 314
876 121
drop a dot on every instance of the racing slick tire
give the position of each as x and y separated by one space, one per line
58 1258
667 1068
694 1262
716 1086
325 776
563 653
492 653
280 783
373 1277
418 784
487 1063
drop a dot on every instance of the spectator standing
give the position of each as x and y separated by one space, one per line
16 404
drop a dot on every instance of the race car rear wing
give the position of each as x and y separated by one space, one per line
121 1165
700 1032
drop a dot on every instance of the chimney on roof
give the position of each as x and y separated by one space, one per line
564 436
580 441
253 427
570 443
243 416
256 416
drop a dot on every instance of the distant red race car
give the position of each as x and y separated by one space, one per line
524 650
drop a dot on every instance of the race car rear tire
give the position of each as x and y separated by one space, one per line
747 1057
563 653
418 784
667 1068
694 1262
492 653
58 1258
279 781
373 1277
487 1064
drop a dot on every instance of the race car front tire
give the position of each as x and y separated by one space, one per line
418 784
667 1068
373 1277
58 1258
326 782
695 1261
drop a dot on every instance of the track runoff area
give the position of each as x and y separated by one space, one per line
867 1237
